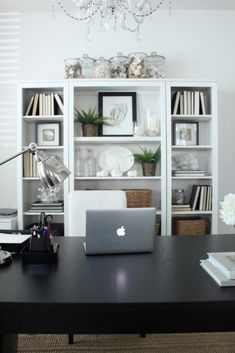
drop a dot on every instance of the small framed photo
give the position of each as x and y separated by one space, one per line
120 108
185 134
48 134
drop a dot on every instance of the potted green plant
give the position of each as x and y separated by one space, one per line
90 120
149 159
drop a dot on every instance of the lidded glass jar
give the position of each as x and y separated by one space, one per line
119 66
72 68
155 65
87 66
178 197
136 65
102 68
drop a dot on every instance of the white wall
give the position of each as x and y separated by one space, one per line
196 44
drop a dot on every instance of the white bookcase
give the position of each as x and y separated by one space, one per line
28 183
151 94
204 150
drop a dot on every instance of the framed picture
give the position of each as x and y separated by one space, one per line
48 134
120 108
186 134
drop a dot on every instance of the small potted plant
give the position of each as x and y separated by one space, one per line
90 120
148 159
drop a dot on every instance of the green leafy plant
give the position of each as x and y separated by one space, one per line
90 117
148 156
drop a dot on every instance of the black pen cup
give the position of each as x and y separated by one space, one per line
40 244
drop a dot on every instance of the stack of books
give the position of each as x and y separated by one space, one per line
188 173
221 267
47 207
180 208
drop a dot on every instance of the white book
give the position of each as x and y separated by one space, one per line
225 262
202 100
40 104
52 104
35 104
216 274
30 106
59 102
185 100
195 201
177 100
201 201
181 103
196 102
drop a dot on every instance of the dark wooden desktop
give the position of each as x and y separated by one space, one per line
166 291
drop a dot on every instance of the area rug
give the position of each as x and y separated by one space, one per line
152 343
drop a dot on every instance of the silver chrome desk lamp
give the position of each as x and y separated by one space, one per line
51 172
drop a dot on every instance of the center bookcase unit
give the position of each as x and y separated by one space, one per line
42 118
113 145
177 116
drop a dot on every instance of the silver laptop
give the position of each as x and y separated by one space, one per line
119 231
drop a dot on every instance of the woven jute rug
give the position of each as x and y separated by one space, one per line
157 343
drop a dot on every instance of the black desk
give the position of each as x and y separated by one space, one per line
166 291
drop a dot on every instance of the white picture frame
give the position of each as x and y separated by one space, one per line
48 134
186 133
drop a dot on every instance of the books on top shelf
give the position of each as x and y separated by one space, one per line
188 173
201 198
221 267
189 103
45 104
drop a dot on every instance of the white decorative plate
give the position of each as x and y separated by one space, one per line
116 157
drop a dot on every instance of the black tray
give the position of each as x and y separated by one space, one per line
40 257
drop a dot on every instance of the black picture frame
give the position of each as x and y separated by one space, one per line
186 133
121 108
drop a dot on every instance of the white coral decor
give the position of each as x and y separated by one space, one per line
227 213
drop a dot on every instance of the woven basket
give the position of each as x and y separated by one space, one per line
189 226
138 197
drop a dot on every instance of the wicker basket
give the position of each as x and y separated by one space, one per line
138 197
189 226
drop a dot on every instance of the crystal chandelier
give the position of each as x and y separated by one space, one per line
127 14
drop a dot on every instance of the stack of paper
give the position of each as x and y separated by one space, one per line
221 267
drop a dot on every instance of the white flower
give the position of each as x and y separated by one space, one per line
227 213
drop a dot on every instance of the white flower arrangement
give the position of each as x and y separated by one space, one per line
227 212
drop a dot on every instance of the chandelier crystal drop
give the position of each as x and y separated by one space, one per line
127 14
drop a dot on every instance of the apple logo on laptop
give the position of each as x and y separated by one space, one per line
121 231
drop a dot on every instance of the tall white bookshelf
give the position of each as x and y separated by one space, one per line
204 151
29 121
151 94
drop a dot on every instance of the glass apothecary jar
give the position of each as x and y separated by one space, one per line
72 68
136 65
178 197
155 66
119 66
102 68
87 66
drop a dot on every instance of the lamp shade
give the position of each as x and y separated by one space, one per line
51 169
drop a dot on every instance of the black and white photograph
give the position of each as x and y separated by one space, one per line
120 109
48 134
186 134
